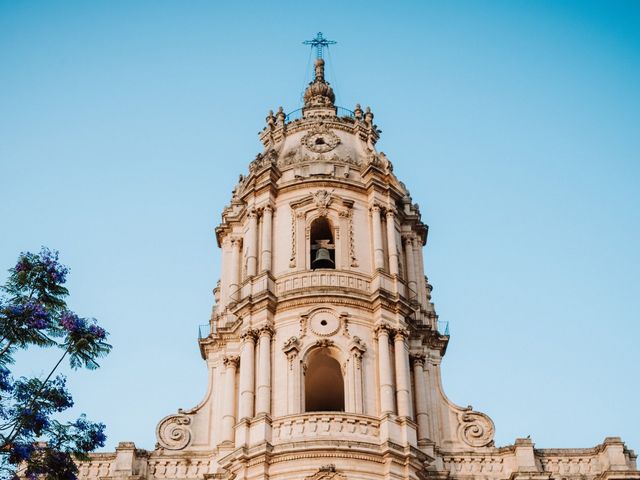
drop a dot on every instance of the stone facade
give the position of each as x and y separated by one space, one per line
324 348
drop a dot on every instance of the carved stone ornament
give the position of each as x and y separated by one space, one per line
173 432
322 199
291 346
320 139
324 323
476 429
324 343
326 472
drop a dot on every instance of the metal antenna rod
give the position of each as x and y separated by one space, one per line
319 42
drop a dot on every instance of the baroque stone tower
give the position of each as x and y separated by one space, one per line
323 347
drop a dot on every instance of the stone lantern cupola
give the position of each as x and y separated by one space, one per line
319 97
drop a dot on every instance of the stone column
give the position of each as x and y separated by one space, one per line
420 384
224 271
247 374
234 270
403 381
229 405
291 349
357 351
252 244
267 226
438 409
263 402
420 282
378 254
411 270
384 370
391 242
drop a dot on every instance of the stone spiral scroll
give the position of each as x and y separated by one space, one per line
173 432
476 429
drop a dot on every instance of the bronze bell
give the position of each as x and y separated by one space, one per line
323 259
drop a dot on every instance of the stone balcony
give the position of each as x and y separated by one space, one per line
335 426
324 281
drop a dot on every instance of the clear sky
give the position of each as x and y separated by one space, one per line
515 125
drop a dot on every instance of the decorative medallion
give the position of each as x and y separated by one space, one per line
320 140
324 323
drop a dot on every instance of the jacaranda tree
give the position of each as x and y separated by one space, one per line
33 313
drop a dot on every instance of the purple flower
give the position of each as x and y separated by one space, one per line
6 384
54 269
20 452
71 322
97 331
38 317
31 313
74 324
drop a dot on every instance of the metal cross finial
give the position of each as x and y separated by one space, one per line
319 43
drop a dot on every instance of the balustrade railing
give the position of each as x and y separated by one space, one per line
340 112
329 279
332 425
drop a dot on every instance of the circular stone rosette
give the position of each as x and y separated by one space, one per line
320 141
324 323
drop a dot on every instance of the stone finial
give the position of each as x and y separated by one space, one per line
280 116
319 69
368 117
319 94
271 120
358 112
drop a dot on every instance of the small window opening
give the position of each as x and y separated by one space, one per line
323 384
319 141
322 251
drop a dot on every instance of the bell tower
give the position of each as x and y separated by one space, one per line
323 348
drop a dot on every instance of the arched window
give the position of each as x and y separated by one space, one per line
322 251
323 383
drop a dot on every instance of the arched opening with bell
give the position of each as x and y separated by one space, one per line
323 250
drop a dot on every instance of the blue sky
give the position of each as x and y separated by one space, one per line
514 124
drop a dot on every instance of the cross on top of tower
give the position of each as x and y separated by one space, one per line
319 42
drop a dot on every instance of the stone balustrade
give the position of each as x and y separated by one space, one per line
330 425
329 279
97 468
178 468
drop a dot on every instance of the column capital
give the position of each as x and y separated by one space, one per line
400 334
382 329
390 212
231 361
418 359
252 213
375 208
267 208
408 238
266 330
249 335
